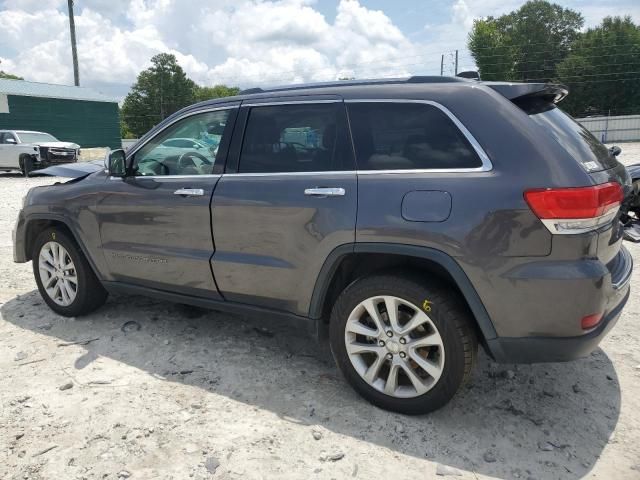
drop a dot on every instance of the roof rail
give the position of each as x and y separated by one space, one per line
350 83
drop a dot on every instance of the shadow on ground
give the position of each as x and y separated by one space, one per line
508 421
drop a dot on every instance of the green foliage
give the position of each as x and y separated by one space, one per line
218 91
159 91
9 76
526 44
602 69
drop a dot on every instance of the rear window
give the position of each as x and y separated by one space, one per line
574 138
407 136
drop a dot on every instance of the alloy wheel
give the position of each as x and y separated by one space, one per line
394 346
58 273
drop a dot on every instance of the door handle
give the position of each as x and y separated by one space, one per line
190 192
325 192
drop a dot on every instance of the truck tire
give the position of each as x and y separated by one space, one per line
404 344
26 165
63 275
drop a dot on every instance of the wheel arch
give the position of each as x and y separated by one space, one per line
35 225
368 258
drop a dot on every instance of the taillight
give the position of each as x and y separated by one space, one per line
575 210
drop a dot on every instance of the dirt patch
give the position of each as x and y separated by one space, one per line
148 389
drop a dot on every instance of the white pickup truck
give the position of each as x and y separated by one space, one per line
26 151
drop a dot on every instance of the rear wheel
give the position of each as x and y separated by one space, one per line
63 275
403 345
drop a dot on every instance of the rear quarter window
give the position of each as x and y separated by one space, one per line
574 138
407 136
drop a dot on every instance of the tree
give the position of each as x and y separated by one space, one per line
8 76
602 69
526 44
159 91
218 91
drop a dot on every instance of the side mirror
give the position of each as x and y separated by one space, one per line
615 150
10 141
117 163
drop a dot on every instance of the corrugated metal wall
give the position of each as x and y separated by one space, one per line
89 124
623 128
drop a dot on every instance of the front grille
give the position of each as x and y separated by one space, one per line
58 155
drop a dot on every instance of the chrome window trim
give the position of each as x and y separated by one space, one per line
486 166
160 177
290 174
177 119
484 158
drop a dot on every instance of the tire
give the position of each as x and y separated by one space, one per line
88 293
26 165
448 330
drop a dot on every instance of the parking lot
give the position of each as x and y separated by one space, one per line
148 389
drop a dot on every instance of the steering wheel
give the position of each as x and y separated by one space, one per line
158 167
186 160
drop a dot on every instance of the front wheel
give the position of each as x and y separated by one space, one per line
27 165
405 346
63 275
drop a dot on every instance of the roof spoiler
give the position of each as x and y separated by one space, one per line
519 92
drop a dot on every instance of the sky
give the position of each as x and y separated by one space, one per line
251 42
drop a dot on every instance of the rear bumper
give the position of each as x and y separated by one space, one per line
539 349
554 349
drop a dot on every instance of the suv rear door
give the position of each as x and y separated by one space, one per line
286 200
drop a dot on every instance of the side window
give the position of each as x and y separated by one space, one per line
5 136
188 147
296 138
405 136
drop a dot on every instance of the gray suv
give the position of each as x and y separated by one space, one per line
405 220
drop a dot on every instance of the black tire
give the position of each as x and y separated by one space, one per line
449 314
90 293
26 165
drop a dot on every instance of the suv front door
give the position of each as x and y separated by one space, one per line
287 199
155 225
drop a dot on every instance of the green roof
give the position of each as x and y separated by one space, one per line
50 90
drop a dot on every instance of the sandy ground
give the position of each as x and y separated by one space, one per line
195 394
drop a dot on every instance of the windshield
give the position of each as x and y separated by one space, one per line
575 139
33 137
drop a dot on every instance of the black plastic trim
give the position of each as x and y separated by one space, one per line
445 261
308 325
65 222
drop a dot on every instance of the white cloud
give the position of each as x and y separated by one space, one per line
244 42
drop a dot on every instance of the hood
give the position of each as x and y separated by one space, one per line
75 146
71 170
634 171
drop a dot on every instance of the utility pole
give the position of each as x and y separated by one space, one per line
456 62
442 64
74 51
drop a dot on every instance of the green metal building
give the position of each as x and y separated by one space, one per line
72 114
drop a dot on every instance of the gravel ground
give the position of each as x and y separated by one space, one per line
184 393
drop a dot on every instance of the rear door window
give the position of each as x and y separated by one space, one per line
574 138
407 136
296 138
